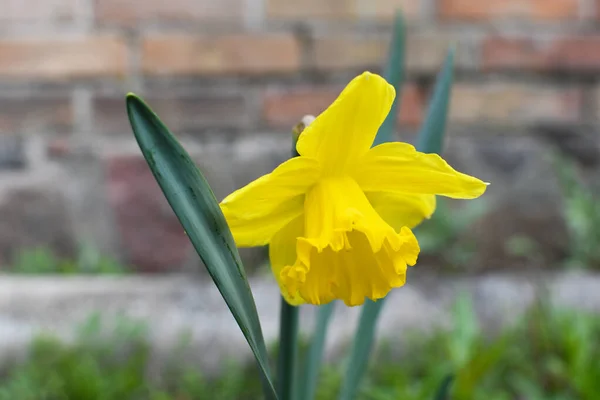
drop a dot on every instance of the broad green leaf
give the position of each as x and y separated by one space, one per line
431 135
194 203
430 140
363 339
312 362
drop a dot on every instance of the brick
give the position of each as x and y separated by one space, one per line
219 55
307 9
182 114
386 9
424 53
137 11
505 103
19 11
344 52
285 108
151 236
570 53
63 58
341 9
45 115
59 148
508 9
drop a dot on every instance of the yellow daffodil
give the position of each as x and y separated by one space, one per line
338 218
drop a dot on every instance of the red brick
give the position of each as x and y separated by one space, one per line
218 55
135 11
572 53
491 9
505 103
35 115
151 235
20 11
286 108
63 58
424 53
59 147
182 114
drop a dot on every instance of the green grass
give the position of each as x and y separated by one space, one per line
548 354
42 260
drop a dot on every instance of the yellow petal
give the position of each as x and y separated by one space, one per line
267 204
400 210
347 252
346 130
399 168
258 231
282 252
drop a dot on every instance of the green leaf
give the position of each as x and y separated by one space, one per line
431 136
363 340
443 392
394 74
195 205
361 349
312 363
430 140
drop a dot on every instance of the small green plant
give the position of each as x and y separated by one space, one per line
581 214
548 354
42 260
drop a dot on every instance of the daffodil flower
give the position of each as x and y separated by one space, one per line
338 217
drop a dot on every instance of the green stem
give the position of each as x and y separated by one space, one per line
312 364
361 349
288 339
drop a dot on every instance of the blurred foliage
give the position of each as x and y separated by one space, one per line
445 236
526 248
111 365
42 260
546 354
581 213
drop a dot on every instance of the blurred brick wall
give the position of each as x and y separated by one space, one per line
231 76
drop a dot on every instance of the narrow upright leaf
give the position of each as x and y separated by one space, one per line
314 356
394 74
195 205
431 135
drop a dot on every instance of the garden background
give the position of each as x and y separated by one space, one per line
231 78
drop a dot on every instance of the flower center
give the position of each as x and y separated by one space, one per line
348 250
